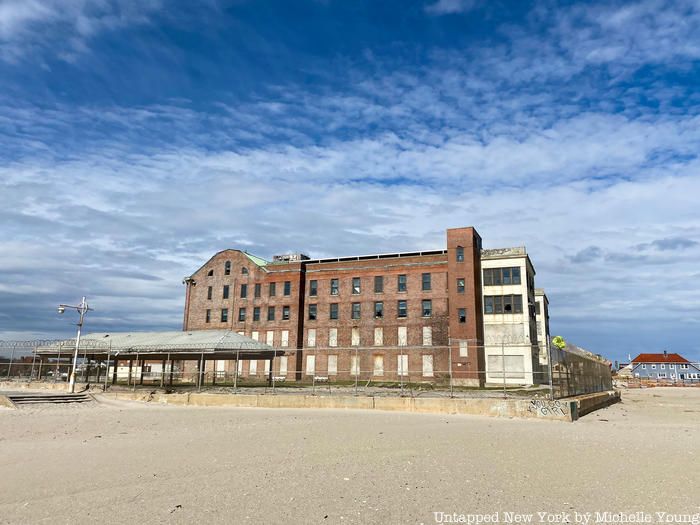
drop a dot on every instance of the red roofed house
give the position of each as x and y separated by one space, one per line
667 366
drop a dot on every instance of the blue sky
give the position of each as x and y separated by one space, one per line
137 138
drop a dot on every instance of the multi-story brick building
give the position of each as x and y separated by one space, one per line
416 315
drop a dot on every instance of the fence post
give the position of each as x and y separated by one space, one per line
9 368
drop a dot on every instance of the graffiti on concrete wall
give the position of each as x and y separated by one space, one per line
545 407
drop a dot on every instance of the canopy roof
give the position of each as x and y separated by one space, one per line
219 342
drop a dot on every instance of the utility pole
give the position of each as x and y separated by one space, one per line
82 309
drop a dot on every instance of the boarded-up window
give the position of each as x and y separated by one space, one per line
241 333
463 349
267 367
515 366
220 365
427 336
378 336
378 369
283 365
253 368
255 335
333 337
403 336
270 338
311 341
355 340
285 338
332 365
310 365
427 366
355 365
240 368
402 365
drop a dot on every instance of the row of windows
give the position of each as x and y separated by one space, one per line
500 304
242 312
227 270
662 366
501 276
356 310
401 286
257 290
356 284
426 335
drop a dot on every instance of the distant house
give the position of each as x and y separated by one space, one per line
673 367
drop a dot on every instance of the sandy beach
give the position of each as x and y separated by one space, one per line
129 462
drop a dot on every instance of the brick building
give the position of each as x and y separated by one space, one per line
373 316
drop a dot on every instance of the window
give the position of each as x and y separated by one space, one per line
644 367
244 291
241 314
499 304
313 288
378 336
402 364
501 276
244 270
257 290
210 273
427 336
684 367
672 366
270 338
427 366
224 315
255 336
355 310
463 349
313 311
378 310
355 336
426 281
378 369
334 311
379 284
253 368
427 308
333 337
207 319
460 285
256 313
285 338
332 365
334 286
310 365
355 365
273 289
225 294
270 313
462 315
355 285
537 308
402 336
285 313
653 367
401 283
459 254
227 268
663 367
402 308
209 293
287 287
311 338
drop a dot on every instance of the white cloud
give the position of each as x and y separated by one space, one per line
446 7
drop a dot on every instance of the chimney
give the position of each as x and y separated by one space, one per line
665 354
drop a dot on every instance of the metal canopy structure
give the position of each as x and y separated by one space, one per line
214 344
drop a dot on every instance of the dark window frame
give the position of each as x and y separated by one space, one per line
426 284
244 291
272 289
402 283
313 288
333 312
224 315
270 313
241 314
287 290
207 316
356 286
459 254
227 268
286 312
313 312
356 311
379 309
379 280
257 290
225 292
429 309
335 287
256 313
402 308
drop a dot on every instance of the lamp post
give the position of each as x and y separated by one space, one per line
82 309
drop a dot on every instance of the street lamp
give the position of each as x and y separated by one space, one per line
82 309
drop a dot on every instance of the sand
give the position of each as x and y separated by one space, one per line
127 462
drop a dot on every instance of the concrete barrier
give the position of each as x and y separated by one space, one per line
4 402
521 408
591 402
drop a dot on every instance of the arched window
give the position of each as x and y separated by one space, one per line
227 268
210 273
244 270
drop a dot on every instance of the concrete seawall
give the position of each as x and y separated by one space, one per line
557 410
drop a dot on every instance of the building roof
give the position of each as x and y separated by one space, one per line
660 358
258 261
207 341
